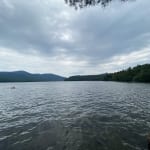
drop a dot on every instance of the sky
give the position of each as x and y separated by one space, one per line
49 36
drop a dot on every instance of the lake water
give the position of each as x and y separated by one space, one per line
74 116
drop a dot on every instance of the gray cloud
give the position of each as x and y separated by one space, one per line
93 35
117 30
25 26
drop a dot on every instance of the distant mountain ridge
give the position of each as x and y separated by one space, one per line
23 76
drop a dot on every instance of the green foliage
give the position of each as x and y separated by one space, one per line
143 76
140 73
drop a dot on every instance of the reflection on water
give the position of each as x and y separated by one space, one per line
81 116
84 3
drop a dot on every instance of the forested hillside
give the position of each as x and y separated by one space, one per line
140 73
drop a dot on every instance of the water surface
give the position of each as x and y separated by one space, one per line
74 116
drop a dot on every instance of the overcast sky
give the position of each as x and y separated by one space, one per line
48 36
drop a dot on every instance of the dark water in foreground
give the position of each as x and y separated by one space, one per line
74 116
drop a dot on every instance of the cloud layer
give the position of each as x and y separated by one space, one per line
50 36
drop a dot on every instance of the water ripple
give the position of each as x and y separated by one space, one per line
74 116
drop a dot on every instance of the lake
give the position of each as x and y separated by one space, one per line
74 116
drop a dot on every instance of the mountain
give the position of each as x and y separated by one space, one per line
140 73
22 76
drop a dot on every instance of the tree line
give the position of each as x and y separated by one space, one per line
140 73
